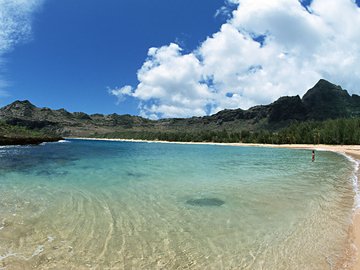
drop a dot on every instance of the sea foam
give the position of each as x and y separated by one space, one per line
355 180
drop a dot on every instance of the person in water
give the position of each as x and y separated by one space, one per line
313 156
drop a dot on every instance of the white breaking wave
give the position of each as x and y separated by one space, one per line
355 180
63 141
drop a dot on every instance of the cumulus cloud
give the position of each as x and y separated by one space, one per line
267 49
171 84
15 27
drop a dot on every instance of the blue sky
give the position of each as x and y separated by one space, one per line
96 57
79 48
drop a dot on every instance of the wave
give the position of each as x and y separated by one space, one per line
60 141
63 141
355 180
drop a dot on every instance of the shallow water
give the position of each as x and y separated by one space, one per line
121 205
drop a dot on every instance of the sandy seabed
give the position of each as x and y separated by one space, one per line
351 151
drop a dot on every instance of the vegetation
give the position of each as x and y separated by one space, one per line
325 114
20 135
338 131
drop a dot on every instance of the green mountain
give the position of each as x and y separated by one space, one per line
322 102
328 101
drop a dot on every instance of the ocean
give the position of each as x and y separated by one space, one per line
83 204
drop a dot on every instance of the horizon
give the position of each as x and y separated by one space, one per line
178 59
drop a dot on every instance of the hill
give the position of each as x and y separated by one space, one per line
322 102
19 135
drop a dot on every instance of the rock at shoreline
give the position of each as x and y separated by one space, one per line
27 140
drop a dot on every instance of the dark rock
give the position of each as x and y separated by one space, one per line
27 140
205 202
327 101
64 112
81 116
287 108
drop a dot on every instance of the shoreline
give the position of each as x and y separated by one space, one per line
351 152
8 141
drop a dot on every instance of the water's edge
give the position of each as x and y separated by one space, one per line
351 261
352 258
347 251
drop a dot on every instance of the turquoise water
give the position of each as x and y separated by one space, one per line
120 205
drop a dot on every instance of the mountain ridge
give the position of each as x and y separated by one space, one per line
323 101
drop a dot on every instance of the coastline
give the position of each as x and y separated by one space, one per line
7 141
352 152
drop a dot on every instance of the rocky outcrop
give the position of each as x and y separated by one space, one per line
27 140
287 108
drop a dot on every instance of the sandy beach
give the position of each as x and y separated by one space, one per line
354 152
351 151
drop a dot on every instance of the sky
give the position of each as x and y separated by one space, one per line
174 58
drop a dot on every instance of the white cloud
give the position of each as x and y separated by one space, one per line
267 49
225 11
15 27
122 92
171 84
